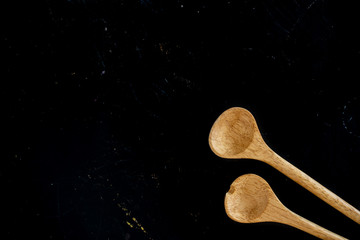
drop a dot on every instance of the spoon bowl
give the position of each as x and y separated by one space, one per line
235 135
232 133
247 204
251 200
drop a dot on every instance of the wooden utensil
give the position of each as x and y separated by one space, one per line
235 135
251 200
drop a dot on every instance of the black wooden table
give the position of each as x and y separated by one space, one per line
107 107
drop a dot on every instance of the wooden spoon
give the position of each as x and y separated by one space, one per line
251 200
235 135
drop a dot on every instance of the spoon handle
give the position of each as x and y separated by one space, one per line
313 186
305 225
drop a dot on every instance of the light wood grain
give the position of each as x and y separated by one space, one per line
251 200
235 135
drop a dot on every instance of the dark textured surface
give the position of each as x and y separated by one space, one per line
107 106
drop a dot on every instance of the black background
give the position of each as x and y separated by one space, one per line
107 106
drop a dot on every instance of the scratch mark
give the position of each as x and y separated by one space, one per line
132 222
311 4
289 21
346 121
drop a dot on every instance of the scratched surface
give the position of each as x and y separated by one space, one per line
107 105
